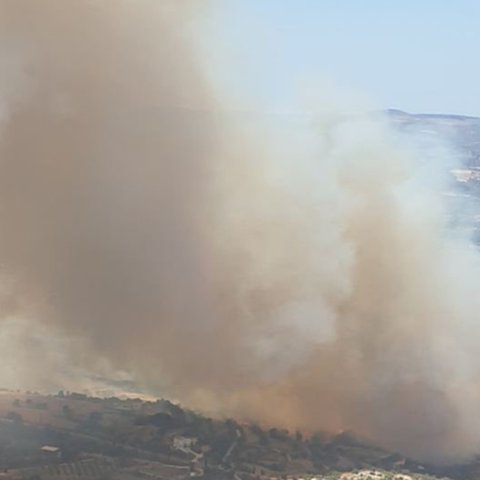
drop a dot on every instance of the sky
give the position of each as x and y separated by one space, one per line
414 55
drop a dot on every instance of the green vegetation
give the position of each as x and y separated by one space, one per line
104 438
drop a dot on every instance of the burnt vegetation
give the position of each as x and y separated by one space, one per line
72 433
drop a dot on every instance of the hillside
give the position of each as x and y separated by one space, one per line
75 436
78 437
462 132
460 137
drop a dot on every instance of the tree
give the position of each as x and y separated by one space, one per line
15 417
68 412
162 421
94 418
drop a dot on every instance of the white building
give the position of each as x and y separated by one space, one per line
180 442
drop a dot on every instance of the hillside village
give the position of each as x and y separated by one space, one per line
72 436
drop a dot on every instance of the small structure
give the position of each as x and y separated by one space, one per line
50 451
363 475
9 476
180 442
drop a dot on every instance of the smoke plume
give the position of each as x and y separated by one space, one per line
286 272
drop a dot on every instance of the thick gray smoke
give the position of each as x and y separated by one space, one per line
284 273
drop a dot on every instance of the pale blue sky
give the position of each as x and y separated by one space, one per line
419 56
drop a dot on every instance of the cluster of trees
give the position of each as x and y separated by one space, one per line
15 417
30 403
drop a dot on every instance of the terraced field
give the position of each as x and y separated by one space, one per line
91 469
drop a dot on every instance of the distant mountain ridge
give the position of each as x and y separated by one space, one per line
395 111
460 131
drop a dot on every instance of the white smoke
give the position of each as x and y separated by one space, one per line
291 271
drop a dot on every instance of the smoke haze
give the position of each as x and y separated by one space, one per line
292 272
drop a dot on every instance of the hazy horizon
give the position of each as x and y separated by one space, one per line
413 56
